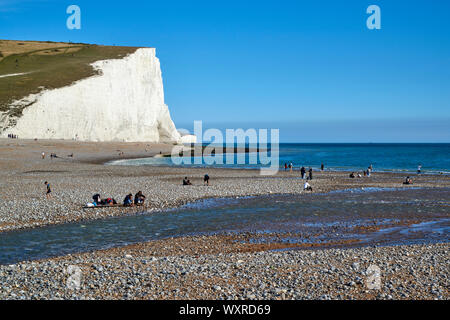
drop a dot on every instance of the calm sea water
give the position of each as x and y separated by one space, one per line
434 158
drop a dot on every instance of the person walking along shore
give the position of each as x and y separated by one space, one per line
49 190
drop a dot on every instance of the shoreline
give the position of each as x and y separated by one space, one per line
281 169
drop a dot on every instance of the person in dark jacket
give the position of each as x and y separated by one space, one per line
139 199
97 199
128 201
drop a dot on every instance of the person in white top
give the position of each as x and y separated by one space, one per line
307 186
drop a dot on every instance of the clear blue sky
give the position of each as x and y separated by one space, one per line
310 68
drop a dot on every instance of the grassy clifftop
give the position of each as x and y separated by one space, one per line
48 65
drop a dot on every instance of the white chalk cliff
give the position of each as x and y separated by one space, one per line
125 102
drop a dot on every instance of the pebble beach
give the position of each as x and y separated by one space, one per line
197 267
217 267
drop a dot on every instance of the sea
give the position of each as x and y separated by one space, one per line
434 158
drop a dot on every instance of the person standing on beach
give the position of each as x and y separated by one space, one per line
285 166
322 167
43 155
49 190
206 180
290 166
419 169
303 172
310 173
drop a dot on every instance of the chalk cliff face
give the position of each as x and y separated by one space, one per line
125 102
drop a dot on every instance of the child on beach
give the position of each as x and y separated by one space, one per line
206 180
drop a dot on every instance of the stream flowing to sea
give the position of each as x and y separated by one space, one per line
414 215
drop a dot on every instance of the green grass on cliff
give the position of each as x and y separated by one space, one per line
53 67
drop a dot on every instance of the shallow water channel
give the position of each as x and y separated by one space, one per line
401 216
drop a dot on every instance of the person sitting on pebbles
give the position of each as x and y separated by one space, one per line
109 202
307 187
128 201
186 182
97 199
139 199
408 181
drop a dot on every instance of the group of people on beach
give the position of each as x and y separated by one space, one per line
139 200
366 172
187 182
309 177
53 155
290 166
352 175
13 136
303 173
139 197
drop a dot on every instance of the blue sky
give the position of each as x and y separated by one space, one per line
310 68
